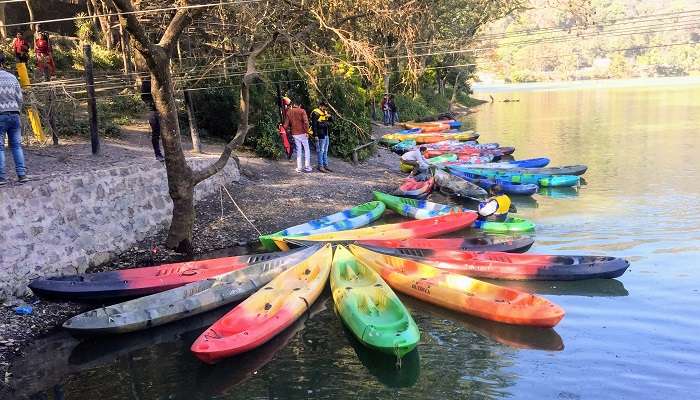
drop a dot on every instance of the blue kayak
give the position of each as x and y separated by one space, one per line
409 131
486 183
531 162
455 124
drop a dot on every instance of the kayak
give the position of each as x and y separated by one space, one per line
421 209
550 171
403 230
184 301
369 308
536 267
455 186
530 164
355 217
428 126
442 159
461 293
487 183
412 187
523 178
268 311
481 243
136 282
404 146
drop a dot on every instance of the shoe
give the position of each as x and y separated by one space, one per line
308 169
160 158
327 169
3 182
22 179
322 169
298 170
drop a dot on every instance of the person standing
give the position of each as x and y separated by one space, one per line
44 55
10 106
320 124
393 111
153 119
298 124
21 48
385 109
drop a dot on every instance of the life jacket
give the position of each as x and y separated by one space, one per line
322 115
503 204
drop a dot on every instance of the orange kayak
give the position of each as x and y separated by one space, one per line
427 127
420 228
461 293
267 312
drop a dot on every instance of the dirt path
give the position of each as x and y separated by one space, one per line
270 193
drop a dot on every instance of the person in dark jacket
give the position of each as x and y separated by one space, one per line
393 111
320 124
153 119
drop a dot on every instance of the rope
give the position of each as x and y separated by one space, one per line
241 211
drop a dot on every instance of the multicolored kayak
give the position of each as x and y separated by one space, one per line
182 302
369 308
267 312
480 243
421 209
549 171
534 267
432 161
523 178
404 230
531 165
352 218
487 183
136 282
414 188
461 293
452 185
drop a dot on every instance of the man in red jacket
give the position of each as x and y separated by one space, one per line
298 122
21 48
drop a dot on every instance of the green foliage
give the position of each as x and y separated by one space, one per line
120 107
412 107
85 29
102 58
216 111
265 138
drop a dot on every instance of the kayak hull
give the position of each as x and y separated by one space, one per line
536 267
267 312
352 218
369 308
136 282
483 243
461 293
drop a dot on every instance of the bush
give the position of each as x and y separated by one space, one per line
410 108
265 138
102 58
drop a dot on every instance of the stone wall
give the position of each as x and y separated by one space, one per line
65 225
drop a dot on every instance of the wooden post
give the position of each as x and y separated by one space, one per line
92 103
52 116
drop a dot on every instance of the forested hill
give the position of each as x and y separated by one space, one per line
612 39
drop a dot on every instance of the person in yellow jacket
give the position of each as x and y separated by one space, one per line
320 126
495 208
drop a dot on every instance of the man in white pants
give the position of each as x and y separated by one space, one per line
298 123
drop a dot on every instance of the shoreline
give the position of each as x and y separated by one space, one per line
482 88
270 193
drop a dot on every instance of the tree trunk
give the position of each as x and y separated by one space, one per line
387 78
191 117
101 9
3 28
455 90
126 51
30 9
180 180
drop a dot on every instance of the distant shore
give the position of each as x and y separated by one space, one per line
483 88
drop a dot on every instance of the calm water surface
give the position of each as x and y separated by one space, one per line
637 337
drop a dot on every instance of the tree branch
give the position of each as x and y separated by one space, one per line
182 18
243 126
141 42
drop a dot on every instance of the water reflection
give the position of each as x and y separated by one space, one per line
559 192
587 288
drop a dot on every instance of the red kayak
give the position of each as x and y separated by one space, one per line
136 282
497 265
414 188
482 243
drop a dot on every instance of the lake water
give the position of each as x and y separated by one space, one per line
637 337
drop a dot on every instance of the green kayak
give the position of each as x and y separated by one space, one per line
369 308
352 218
422 209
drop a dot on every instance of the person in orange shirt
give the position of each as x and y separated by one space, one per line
44 55
297 123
